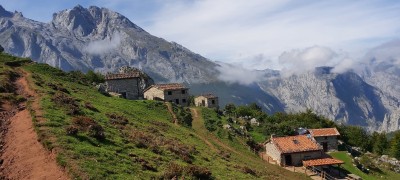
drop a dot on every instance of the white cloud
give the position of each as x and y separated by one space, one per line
103 46
237 74
298 61
389 52
226 31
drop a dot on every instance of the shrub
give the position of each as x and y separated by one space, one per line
246 170
94 77
83 122
57 88
156 143
198 172
183 115
117 119
174 170
72 130
67 102
97 131
89 106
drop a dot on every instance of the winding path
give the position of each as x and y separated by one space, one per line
24 157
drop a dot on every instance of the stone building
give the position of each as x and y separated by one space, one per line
207 100
326 137
129 82
176 93
292 150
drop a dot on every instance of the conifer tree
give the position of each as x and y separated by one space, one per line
395 146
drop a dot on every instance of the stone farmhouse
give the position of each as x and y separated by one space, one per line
125 84
175 93
292 150
207 100
326 137
304 149
129 82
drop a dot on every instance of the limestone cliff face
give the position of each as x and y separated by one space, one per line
346 98
103 40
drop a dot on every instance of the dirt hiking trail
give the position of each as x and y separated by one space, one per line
23 156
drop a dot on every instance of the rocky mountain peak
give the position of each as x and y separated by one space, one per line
85 21
77 20
5 13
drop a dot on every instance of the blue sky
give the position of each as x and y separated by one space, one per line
256 33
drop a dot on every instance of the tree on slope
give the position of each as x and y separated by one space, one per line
395 146
380 143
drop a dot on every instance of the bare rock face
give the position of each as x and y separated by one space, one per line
102 40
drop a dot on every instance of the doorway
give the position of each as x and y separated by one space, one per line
325 146
288 160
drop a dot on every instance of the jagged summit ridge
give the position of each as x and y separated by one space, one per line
93 20
100 39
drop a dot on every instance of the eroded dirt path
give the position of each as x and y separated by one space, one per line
171 111
199 127
24 157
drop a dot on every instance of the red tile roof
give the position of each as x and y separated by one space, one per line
130 75
172 86
322 162
299 143
324 132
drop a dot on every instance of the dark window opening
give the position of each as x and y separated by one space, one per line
183 91
325 146
325 137
169 92
212 101
183 100
203 102
177 101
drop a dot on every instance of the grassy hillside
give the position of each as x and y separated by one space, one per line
348 166
101 137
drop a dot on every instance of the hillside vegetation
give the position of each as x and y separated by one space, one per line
100 137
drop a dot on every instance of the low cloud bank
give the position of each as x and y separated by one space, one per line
388 52
103 46
299 61
385 57
237 74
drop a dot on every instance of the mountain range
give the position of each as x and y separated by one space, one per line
102 40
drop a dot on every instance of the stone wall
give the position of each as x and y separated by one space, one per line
297 158
127 87
208 102
154 94
175 96
330 140
272 151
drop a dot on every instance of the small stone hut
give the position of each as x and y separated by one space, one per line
129 82
207 100
175 93
326 137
